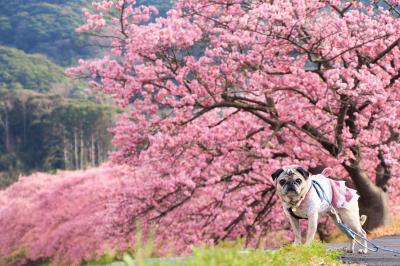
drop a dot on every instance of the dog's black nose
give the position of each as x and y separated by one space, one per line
291 188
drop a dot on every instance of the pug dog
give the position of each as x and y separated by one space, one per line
306 196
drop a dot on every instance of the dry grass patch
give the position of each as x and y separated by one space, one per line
392 229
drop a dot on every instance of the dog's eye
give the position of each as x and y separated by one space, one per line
298 181
282 182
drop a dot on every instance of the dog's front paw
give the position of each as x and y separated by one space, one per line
347 250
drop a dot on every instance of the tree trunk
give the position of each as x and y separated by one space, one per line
82 149
99 153
65 144
7 132
24 121
76 157
376 207
374 201
93 151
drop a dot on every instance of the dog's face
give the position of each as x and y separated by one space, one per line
291 181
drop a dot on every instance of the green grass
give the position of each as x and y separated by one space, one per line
233 254
315 254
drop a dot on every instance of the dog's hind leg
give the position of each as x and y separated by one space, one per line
352 242
351 218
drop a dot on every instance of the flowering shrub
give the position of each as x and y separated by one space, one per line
58 216
78 215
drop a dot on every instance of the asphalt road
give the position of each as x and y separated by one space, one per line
380 258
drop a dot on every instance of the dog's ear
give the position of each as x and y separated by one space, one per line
303 172
276 174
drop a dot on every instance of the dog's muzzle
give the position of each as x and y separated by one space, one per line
290 187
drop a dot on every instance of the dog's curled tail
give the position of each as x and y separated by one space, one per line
363 219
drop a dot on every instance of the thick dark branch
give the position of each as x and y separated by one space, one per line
344 105
315 134
224 119
266 210
393 80
383 172
360 178
361 45
121 19
240 98
319 73
252 67
341 12
351 121
386 51
178 204
272 123
233 224
309 98
254 132
364 105
228 177
240 185
279 155
241 106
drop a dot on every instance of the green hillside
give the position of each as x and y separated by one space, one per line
46 27
19 70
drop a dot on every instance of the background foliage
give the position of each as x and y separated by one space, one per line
46 131
19 70
46 27
46 121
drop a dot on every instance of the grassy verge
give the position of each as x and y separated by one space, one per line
315 254
233 254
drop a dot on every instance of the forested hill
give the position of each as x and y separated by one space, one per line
46 121
19 70
45 26
48 27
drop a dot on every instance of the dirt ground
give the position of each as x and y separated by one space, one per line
380 258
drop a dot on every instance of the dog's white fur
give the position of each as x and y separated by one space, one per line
312 207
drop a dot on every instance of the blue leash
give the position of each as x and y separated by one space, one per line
346 229
375 247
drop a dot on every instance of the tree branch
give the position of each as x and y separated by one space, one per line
316 135
344 106
383 172
386 51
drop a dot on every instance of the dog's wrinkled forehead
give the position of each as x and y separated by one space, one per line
291 171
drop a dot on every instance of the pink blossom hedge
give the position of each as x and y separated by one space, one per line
78 215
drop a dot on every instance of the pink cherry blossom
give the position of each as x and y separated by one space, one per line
216 96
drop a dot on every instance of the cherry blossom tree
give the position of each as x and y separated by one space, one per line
219 94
